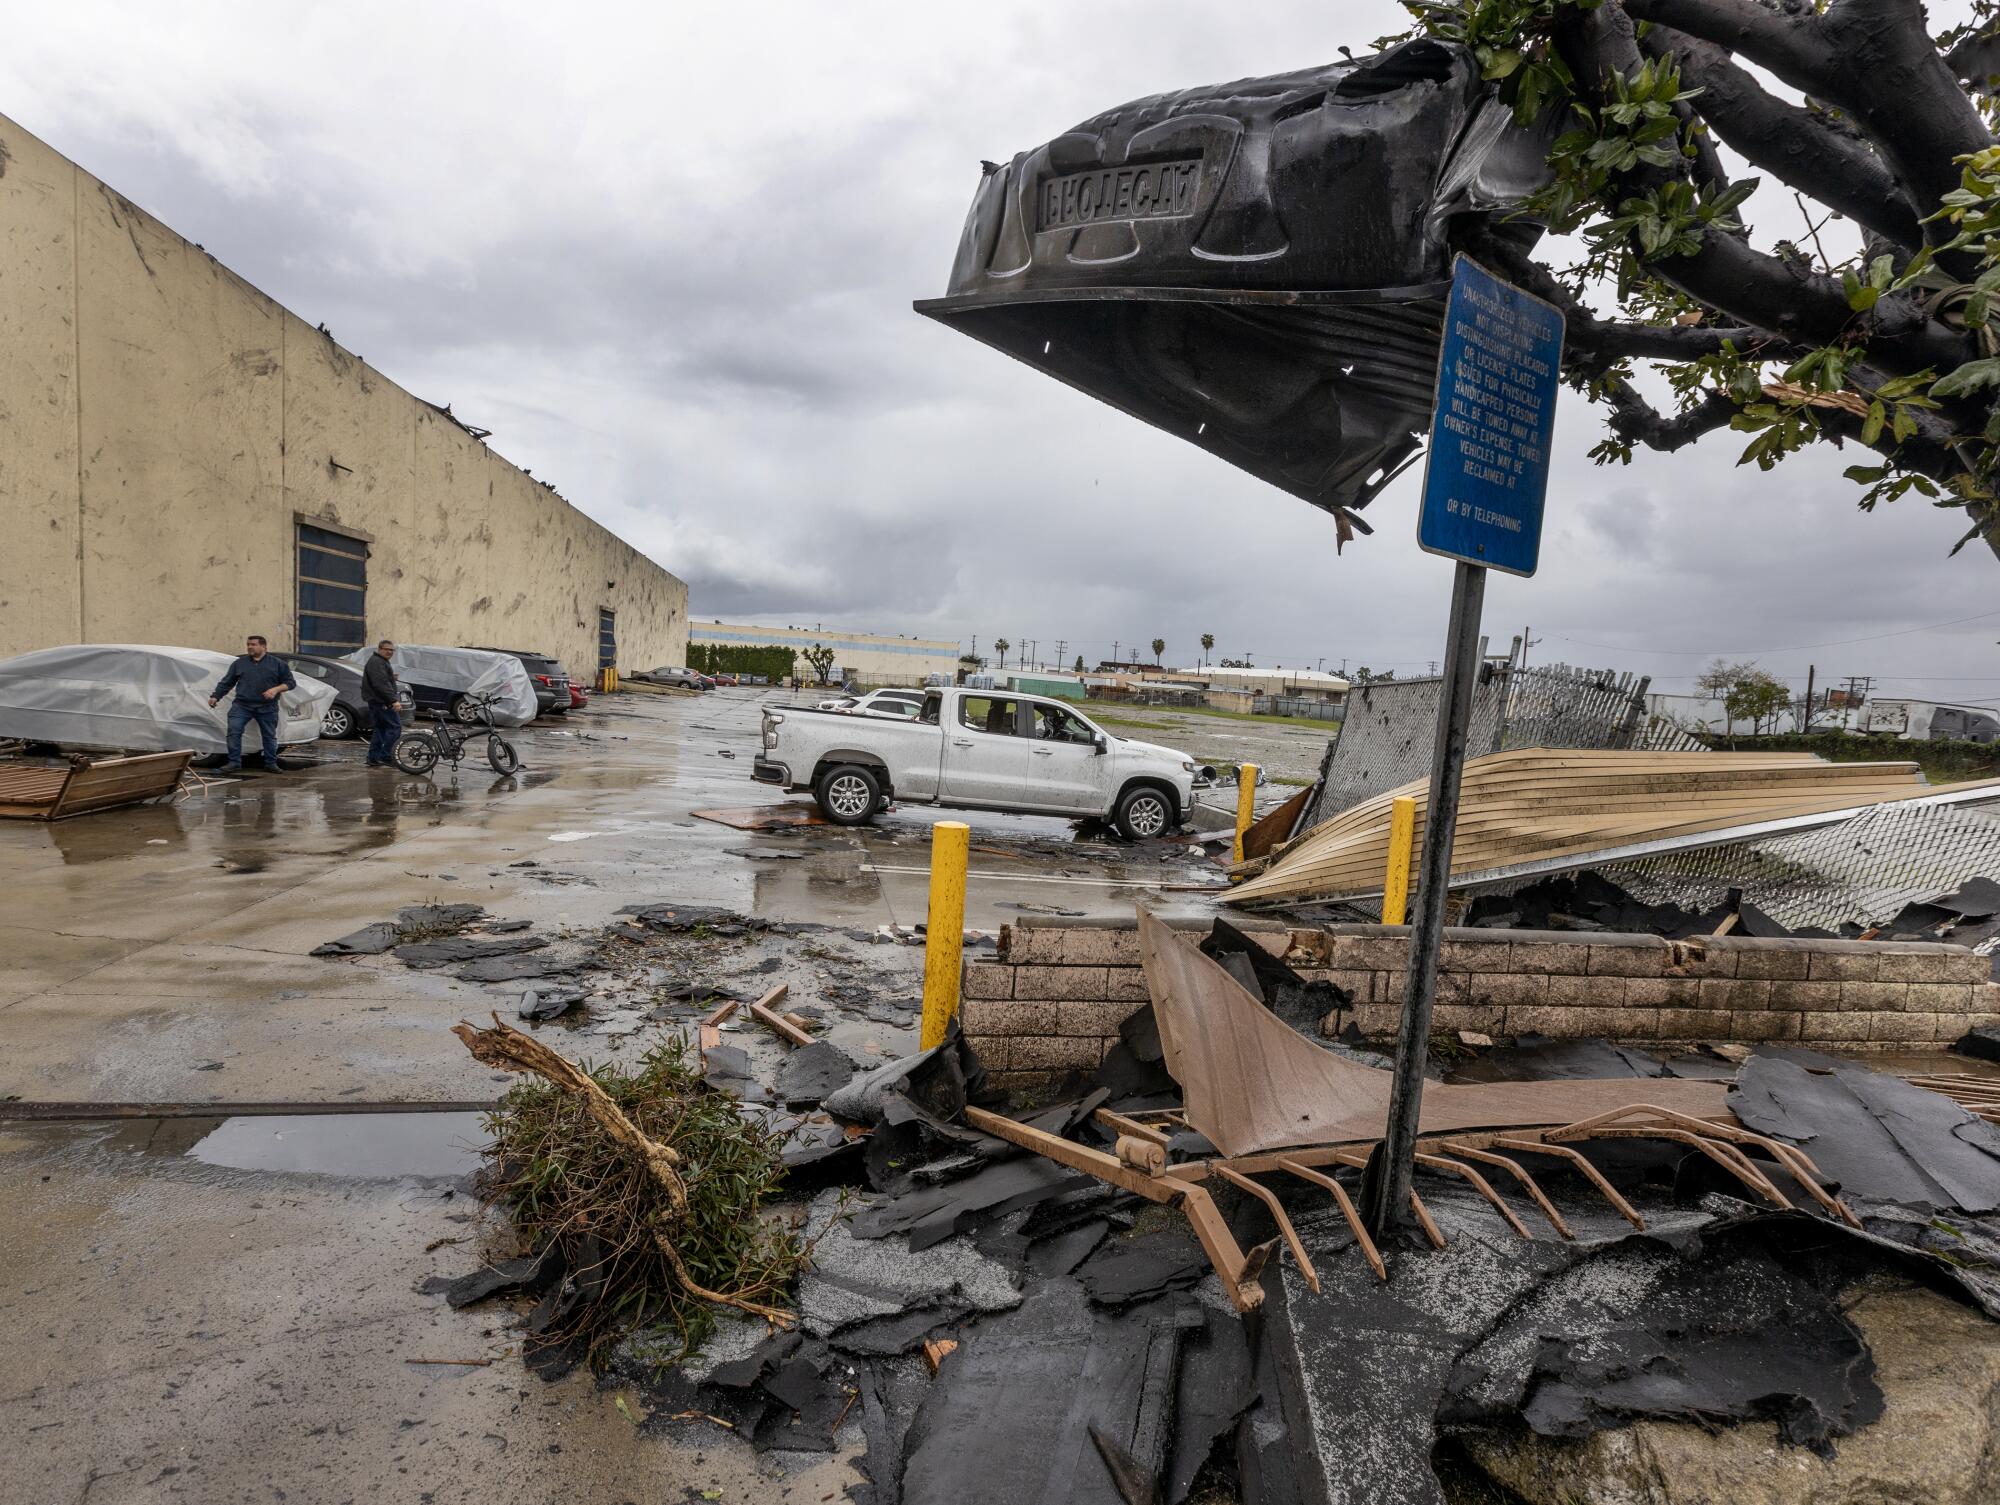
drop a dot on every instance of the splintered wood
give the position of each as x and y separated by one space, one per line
1537 805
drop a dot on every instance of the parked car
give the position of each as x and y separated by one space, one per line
450 681
905 705
348 715
550 680
137 697
724 679
577 699
682 678
978 750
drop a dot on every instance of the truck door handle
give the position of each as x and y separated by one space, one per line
961 742
1045 752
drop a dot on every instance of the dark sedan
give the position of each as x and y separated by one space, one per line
348 715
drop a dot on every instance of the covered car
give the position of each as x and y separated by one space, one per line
137 697
449 681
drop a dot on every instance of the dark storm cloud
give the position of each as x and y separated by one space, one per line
668 256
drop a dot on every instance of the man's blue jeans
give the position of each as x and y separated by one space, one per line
265 714
382 740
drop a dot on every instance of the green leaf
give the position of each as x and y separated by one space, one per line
1503 63
1872 429
1865 474
1968 378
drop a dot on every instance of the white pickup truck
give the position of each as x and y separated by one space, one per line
979 750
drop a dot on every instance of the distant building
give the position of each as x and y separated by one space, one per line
868 659
1044 682
183 461
1288 684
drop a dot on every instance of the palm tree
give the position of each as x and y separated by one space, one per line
1159 647
1207 647
1000 646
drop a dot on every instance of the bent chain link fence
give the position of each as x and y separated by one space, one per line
1863 869
1386 736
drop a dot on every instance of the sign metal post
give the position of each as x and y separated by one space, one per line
1485 480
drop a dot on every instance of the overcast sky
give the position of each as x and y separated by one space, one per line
667 254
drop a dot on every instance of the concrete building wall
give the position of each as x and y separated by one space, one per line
164 426
870 658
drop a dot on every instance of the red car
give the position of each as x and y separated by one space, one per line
577 699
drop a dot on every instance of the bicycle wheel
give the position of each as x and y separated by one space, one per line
500 753
415 752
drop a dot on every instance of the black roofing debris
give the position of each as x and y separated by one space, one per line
1968 915
1096 1359
811 1073
1301 1004
1876 1137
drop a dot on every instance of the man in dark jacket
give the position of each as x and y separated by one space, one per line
259 677
384 702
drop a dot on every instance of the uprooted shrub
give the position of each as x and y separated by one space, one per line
642 1187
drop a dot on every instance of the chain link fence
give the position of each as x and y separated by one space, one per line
1864 869
1385 738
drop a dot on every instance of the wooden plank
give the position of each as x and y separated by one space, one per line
777 1023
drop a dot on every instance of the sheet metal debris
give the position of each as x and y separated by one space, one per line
1535 811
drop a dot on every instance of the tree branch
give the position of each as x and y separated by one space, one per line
1637 421
1590 344
1791 142
1874 59
1790 301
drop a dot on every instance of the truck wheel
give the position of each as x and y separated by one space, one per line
848 794
1143 813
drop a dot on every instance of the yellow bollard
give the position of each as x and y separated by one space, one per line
1246 801
944 932
1402 839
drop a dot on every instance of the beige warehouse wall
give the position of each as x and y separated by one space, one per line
163 424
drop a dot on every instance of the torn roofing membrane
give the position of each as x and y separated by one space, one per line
1258 266
1881 1139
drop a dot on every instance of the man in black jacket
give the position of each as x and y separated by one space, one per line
259 677
384 703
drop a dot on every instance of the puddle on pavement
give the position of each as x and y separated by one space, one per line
368 1146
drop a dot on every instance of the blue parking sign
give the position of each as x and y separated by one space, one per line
1487 473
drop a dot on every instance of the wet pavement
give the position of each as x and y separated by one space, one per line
214 1308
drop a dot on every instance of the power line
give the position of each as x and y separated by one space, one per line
1754 652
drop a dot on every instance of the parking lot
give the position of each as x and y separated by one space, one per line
186 1297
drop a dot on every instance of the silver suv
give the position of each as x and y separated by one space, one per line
685 679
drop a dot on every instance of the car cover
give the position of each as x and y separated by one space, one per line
470 671
136 697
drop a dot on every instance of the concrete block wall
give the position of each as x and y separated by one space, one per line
1053 998
1639 988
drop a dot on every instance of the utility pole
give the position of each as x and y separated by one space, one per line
1061 643
1805 721
1114 651
1858 686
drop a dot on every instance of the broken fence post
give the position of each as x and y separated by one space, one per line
1246 801
1402 839
944 932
